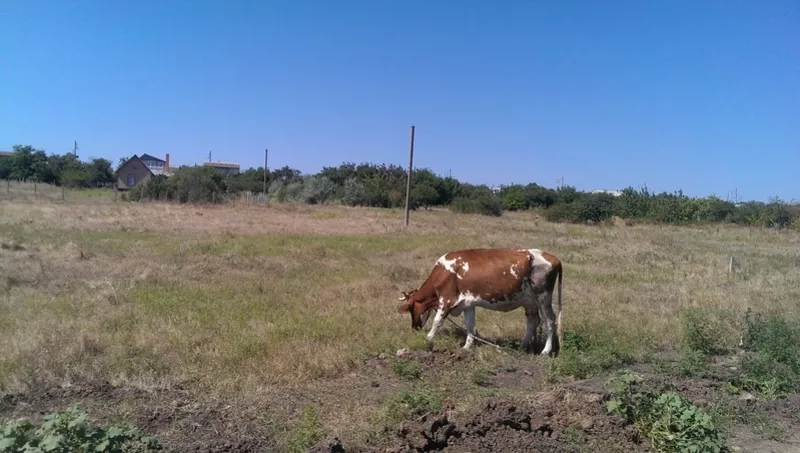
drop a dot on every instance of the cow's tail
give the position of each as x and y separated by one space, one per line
559 322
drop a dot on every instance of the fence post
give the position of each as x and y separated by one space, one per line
34 187
62 193
8 186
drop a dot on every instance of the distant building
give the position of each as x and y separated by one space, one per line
137 170
224 168
615 193
6 153
157 166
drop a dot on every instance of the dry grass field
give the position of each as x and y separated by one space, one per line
273 328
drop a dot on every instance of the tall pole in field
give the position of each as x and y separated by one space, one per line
408 179
266 153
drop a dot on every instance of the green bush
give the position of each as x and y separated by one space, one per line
702 332
668 420
423 195
562 213
69 431
773 365
513 198
353 193
483 204
595 208
316 190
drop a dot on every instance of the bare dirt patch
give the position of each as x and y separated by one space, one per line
558 421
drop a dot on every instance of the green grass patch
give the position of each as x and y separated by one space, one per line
308 431
411 402
407 369
588 351
322 246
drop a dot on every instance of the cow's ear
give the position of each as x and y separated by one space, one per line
404 308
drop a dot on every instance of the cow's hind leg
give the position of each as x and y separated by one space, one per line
469 321
532 318
549 322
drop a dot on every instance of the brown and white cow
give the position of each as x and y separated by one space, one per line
495 279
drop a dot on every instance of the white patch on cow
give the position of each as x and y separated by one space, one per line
465 267
538 259
513 270
448 264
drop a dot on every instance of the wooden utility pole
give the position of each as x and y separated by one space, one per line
408 179
266 153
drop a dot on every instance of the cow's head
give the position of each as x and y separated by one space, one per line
419 309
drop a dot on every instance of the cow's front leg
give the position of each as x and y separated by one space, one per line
438 320
532 323
469 321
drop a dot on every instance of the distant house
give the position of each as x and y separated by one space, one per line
157 166
224 168
6 153
137 170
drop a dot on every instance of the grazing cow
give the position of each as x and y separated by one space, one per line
495 279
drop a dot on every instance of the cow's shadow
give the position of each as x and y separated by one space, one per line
506 343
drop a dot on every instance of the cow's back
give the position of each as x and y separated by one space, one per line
490 274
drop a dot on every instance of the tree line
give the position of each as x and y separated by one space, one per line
28 164
384 186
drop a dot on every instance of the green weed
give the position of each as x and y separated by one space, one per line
69 430
411 402
772 368
407 369
669 421
480 376
702 332
308 432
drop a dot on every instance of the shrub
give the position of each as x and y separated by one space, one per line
424 195
284 192
354 193
595 208
539 197
316 190
702 332
195 184
562 213
483 204
773 367
514 198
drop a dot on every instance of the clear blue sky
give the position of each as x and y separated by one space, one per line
698 95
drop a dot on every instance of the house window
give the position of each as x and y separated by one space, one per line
131 179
